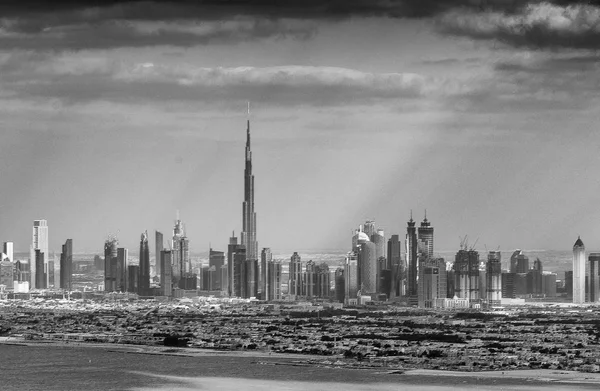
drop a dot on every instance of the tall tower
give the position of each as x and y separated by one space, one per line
578 272
158 247
493 275
411 257
66 265
110 264
426 238
248 236
39 242
144 279
295 276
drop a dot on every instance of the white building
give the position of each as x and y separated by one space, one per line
578 272
9 251
39 242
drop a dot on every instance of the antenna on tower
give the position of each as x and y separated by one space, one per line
248 108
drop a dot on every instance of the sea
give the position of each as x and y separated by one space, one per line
58 367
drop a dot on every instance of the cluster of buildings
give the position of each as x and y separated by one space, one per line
373 271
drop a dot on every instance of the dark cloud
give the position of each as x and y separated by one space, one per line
539 25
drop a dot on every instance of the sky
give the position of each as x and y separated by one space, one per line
114 115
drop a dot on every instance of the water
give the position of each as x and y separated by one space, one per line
84 368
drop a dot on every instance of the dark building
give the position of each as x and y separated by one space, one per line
249 275
144 278
425 244
522 263
411 260
394 260
266 258
323 281
248 236
340 285
508 285
239 272
493 274
513 261
216 260
569 283
110 264
535 279
295 276
594 281
121 271
309 280
233 273
66 266
166 282
133 274
367 268
432 281
158 247
40 276
7 277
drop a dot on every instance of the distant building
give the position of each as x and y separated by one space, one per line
514 261
7 277
40 276
340 289
594 279
159 245
466 275
110 264
144 278
508 285
351 278
240 272
166 283
493 272
248 234
266 259
425 239
367 262
535 279
569 283
273 281
549 281
522 263
323 281
432 282
39 242
9 250
411 260
250 278
216 260
394 260
121 270
133 276
309 280
233 269
578 272
66 266
295 276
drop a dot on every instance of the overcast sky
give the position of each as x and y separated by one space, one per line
115 114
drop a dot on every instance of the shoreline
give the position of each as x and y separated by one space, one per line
547 376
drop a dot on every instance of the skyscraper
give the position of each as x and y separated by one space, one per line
493 275
266 258
122 266
9 251
248 236
594 284
309 279
41 275
216 260
110 264
351 278
411 258
66 265
274 281
425 231
165 270
466 274
432 281
394 260
182 267
578 272
295 276
367 263
144 279
232 272
39 242
158 247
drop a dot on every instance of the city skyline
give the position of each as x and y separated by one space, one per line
480 113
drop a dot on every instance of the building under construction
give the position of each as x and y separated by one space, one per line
493 270
466 274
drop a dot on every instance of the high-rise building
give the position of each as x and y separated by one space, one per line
340 285
394 261
39 242
274 281
535 279
514 261
578 272
522 263
295 276
569 283
309 280
249 278
232 248
369 228
144 278
432 281
351 284
323 281
158 247
493 274
425 239
9 250
248 236
466 274
378 239
110 264
133 278
266 257
40 276
367 262
121 271
509 283
216 260
165 270
594 279
66 266
7 277
182 266
411 259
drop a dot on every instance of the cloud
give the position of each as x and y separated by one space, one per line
538 25
79 78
